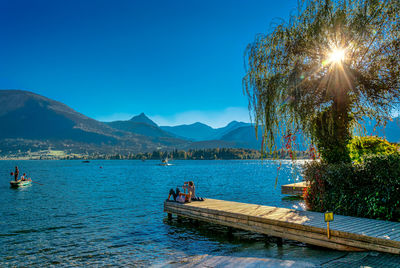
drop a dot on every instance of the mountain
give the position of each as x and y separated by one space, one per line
220 132
139 128
142 118
196 132
142 125
201 135
202 132
234 135
243 137
27 117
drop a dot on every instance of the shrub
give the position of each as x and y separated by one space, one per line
369 189
363 146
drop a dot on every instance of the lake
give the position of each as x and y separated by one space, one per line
111 213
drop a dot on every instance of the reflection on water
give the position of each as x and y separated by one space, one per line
86 215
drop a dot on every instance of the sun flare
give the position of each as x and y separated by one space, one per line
337 55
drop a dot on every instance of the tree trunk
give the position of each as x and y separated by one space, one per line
332 126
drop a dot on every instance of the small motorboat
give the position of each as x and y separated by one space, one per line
20 183
86 161
164 162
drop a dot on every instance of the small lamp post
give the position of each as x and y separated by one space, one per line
328 218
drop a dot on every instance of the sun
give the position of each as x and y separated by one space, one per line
337 55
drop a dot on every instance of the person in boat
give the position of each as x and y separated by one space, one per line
23 177
185 197
16 173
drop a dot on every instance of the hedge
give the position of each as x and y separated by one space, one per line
368 189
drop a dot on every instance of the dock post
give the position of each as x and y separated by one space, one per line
266 241
279 241
230 233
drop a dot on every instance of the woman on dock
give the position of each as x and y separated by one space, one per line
189 185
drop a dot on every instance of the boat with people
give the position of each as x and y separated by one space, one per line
20 183
24 181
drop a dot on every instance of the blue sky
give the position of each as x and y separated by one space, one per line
176 61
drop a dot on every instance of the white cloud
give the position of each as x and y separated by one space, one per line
214 119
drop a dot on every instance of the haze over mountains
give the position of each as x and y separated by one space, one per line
32 122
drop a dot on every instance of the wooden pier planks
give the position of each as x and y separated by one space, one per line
294 188
347 233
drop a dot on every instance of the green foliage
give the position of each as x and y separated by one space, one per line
291 83
314 194
333 148
370 189
362 146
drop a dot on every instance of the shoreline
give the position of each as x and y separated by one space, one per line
99 159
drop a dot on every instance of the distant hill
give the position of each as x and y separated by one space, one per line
142 125
244 137
24 114
27 117
139 128
195 132
220 132
202 132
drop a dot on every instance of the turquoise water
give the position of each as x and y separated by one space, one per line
84 215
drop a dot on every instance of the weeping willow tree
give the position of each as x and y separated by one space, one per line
333 64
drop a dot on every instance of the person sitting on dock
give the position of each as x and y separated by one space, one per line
189 185
187 196
173 193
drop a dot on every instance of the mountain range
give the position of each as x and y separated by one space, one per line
33 122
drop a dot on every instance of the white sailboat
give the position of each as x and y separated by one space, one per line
164 162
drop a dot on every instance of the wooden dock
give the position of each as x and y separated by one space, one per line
347 233
294 188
